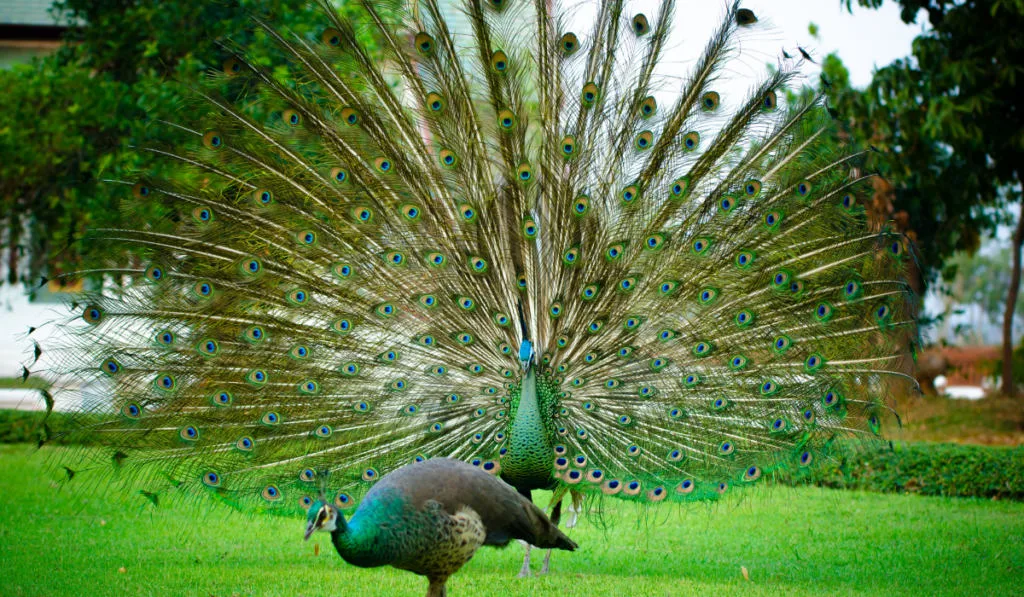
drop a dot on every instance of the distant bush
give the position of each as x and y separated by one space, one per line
951 470
18 426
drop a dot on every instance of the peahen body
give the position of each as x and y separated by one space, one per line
503 244
430 517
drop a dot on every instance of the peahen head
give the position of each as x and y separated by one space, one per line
321 517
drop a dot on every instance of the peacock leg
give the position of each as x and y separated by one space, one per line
525 570
437 587
574 509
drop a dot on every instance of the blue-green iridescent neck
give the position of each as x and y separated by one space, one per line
531 432
361 541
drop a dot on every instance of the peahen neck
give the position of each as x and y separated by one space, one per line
354 546
530 451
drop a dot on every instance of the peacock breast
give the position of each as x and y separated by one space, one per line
528 463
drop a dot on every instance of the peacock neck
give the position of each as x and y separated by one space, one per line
528 462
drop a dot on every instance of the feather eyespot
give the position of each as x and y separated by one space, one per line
640 25
679 188
448 158
213 140
530 228
691 141
221 398
745 17
648 107
568 146
644 141
709 101
424 44
331 37
499 62
350 116
469 214
111 367
590 94
231 67
410 212
94 315
435 102
524 173
165 382
189 433
291 117
629 194
343 501
506 120
478 265
131 410
569 43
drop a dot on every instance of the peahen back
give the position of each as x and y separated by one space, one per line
361 239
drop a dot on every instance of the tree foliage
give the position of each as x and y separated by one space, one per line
71 122
951 127
947 121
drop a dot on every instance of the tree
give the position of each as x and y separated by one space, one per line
75 119
951 130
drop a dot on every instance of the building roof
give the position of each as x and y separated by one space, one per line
27 12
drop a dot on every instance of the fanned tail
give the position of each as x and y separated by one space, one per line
352 248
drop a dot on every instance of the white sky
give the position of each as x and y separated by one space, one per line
864 40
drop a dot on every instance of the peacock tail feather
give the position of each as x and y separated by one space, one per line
361 239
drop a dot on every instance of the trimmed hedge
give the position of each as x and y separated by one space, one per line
951 470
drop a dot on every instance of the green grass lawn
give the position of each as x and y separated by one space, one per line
60 540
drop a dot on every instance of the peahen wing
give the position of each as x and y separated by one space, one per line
335 291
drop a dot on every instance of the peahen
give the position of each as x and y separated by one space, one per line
512 244
430 517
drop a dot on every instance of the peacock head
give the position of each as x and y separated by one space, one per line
525 354
321 517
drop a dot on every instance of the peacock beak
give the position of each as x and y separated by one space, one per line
310 529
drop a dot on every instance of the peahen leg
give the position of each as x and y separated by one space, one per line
438 587
556 517
525 570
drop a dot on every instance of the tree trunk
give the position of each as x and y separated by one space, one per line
1009 388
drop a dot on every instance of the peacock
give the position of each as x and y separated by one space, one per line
468 231
430 517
